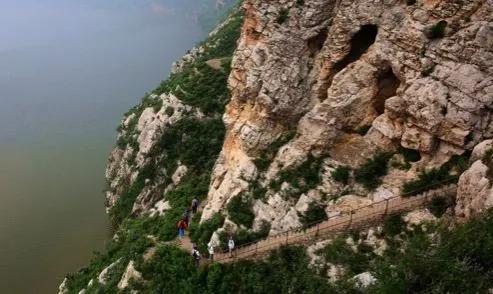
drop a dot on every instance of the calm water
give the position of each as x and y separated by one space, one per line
68 70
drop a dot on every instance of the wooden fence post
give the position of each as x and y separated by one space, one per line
318 229
287 236
386 208
350 219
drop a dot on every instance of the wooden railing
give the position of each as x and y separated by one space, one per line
358 218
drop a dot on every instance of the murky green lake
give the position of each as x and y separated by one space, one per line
68 70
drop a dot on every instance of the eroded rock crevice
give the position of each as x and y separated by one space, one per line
359 44
387 84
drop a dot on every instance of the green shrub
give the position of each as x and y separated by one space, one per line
363 130
340 253
369 173
438 206
437 177
169 111
393 225
302 178
257 191
341 174
488 155
202 233
283 16
240 211
300 3
263 162
460 262
428 180
425 72
437 30
314 213
156 107
410 2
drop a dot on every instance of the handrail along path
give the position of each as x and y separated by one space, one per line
358 218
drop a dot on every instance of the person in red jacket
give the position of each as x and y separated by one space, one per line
182 226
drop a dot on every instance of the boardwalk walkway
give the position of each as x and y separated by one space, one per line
359 218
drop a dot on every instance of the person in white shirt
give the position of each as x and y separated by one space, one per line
231 245
210 248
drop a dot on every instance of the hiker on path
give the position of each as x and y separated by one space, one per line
196 255
210 248
195 205
186 216
182 226
231 246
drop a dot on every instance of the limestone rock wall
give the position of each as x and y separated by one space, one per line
323 69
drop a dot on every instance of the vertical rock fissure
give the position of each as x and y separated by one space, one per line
387 87
359 44
316 43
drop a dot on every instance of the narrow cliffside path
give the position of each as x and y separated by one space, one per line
359 218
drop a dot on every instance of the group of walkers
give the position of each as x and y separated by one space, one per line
183 223
182 226
211 249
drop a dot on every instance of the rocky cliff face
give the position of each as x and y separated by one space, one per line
341 81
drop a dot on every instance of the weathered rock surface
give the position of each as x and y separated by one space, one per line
474 192
130 274
104 275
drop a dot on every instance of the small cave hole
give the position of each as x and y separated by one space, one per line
360 42
387 87
316 43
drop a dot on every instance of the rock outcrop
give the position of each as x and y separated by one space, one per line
475 192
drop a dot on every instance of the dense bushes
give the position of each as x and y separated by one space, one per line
438 205
340 253
460 262
199 85
202 233
428 179
341 174
302 178
437 30
240 210
283 16
314 213
393 225
285 271
369 173
265 159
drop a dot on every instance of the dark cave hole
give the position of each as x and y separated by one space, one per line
360 42
387 87
316 43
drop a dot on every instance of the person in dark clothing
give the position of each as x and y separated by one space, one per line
195 205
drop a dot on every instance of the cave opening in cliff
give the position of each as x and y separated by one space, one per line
316 43
360 42
387 84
